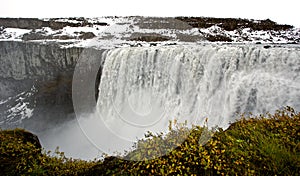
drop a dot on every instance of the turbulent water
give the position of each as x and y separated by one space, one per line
192 82
143 88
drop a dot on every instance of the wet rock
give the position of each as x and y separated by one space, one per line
151 37
87 35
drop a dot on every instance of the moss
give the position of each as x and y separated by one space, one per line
21 154
264 145
18 150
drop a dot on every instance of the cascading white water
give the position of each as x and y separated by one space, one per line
201 81
143 88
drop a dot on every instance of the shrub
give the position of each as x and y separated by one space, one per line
21 154
263 145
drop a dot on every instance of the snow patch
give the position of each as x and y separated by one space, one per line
13 33
18 107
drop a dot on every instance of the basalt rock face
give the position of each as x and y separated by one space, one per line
36 82
22 60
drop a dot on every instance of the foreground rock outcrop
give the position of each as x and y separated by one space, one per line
18 148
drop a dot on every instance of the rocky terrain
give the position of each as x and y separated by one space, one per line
38 56
135 31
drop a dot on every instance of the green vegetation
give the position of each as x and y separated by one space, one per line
21 154
263 145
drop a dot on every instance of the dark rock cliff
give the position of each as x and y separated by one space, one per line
42 70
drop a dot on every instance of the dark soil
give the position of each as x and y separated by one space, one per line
231 24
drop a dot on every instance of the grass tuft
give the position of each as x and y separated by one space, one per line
264 145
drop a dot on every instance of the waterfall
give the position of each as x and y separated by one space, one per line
143 88
192 82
